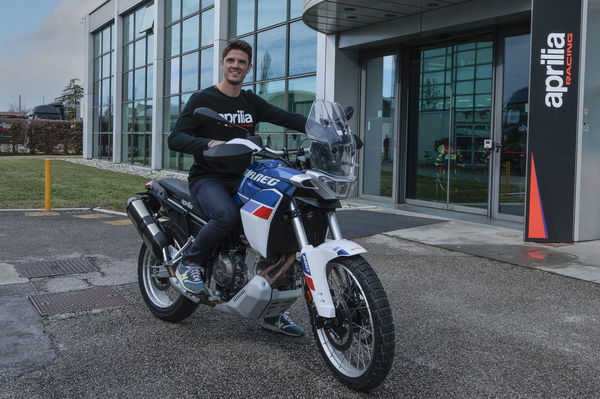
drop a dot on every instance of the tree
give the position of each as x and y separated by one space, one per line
71 97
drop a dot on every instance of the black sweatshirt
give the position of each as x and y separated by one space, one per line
191 135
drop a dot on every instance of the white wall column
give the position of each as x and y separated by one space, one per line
158 86
87 101
117 85
221 34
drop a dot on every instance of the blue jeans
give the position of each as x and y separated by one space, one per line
214 197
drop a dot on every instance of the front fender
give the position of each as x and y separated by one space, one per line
314 261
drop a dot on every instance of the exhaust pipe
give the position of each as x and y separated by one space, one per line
152 234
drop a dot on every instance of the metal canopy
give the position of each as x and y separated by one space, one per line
330 16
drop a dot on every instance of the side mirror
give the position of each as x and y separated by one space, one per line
348 111
358 141
207 113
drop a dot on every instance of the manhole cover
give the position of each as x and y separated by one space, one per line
78 301
55 268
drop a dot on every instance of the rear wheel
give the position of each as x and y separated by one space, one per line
358 346
164 301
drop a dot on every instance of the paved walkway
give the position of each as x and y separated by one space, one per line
497 240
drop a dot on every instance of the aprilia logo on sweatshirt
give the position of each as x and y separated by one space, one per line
558 59
238 118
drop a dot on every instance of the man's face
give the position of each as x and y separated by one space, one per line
235 66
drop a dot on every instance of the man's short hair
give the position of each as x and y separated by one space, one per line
238 44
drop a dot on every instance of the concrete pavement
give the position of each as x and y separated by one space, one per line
466 326
498 240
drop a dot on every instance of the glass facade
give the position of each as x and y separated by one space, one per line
189 38
285 59
451 107
138 72
103 81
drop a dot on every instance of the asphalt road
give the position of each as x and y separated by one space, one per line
465 327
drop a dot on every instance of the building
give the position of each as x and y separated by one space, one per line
146 58
477 106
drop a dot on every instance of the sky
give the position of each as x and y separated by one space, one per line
41 49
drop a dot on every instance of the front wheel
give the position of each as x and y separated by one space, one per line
358 346
164 301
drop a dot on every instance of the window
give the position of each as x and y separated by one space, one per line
102 111
188 64
285 59
138 72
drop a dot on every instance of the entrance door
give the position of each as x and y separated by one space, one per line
450 118
511 123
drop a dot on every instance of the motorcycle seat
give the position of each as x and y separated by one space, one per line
180 189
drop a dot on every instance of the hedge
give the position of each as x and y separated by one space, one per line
40 136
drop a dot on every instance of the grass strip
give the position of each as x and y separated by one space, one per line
73 185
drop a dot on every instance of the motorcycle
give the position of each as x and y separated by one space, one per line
290 244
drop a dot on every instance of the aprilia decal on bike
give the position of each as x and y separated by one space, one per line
558 59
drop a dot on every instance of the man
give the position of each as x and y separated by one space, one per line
213 190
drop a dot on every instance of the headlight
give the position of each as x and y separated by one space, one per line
341 189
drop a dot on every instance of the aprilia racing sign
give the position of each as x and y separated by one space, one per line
558 59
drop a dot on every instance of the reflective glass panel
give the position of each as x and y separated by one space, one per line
303 45
128 86
296 8
149 82
172 40
273 93
128 57
140 53
515 109
190 33
106 66
150 49
172 10
301 94
139 19
271 12
128 28
169 157
379 137
207 28
127 117
106 40
206 68
206 3
139 109
241 17
97 44
189 7
189 72
139 86
172 76
270 54
106 95
149 115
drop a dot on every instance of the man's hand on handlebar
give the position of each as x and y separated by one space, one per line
213 143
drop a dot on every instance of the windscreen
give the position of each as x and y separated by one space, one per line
332 148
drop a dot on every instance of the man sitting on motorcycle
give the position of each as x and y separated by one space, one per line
213 190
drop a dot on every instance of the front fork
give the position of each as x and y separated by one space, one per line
314 260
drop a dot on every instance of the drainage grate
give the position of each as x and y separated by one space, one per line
55 268
78 301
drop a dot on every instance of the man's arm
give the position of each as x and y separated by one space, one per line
182 137
270 113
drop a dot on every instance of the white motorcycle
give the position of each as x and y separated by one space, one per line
289 244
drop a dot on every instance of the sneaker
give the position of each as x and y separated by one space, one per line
191 276
283 324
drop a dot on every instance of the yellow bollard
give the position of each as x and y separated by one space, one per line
48 185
